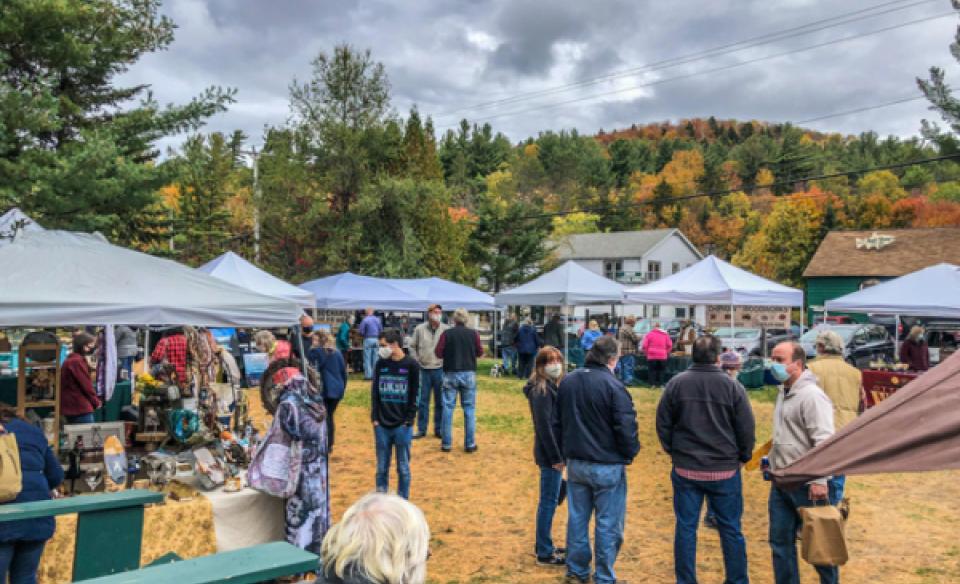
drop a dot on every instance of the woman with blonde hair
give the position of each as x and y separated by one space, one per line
267 343
332 369
541 391
914 351
590 335
382 539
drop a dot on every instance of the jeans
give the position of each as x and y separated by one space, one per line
19 560
81 419
431 384
784 523
509 359
388 438
655 371
600 488
463 383
370 348
331 405
550 480
726 502
526 365
627 364
126 364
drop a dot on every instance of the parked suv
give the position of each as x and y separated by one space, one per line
863 343
943 338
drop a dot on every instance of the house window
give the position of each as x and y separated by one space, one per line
655 311
613 269
680 311
653 271
676 267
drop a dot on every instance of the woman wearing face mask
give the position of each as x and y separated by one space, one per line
541 391
914 351
78 400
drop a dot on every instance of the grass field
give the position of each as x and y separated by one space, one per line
481 507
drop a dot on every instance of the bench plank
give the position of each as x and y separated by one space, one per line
79 504
244 566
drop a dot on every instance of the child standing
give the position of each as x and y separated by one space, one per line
393 399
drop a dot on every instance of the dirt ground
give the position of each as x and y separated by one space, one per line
481 507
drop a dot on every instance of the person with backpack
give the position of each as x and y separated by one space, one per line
22 542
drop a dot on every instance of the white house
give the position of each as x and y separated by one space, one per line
634 258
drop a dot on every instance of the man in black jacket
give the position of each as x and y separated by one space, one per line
705 423
596 424
459 347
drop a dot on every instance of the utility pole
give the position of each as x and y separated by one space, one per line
252 153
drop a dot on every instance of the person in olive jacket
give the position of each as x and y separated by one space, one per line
21 542
541 392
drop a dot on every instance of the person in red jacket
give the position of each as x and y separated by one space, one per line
914 351
656 346
78 400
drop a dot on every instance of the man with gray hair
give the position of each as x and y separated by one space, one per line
842 383
459 347
596 426
382 539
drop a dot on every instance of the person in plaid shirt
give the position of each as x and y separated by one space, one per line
173 349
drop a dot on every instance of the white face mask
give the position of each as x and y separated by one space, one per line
385 352
553 370
434 317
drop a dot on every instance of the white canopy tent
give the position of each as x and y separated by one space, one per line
569 285
54 278
232 268
933 291
16 221
348 291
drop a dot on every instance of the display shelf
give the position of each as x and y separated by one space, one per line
41 404
26 365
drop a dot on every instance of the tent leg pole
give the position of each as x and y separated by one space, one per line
493 317
896 337
146 350
566 326
733 330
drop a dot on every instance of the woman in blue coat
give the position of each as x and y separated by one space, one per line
528 343
332 370
21 542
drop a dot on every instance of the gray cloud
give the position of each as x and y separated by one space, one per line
447 56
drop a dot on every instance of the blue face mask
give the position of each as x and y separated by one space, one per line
779 372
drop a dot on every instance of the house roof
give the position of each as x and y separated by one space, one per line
616 245
910 250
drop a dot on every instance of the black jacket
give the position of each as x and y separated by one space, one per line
704 420
459 347
553 334
595 420
546 450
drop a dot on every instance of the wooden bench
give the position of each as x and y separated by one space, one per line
109 528
245 566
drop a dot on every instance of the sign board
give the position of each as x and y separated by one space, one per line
879 385
749 316
254 364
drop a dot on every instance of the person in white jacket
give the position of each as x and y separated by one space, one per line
802 418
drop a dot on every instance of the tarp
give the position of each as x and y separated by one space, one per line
915 429
569 285
54 278
933 291
14 221
350 291
234 269
714 281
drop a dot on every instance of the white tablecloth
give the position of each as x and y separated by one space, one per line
245 518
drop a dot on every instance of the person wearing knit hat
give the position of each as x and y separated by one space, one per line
731 363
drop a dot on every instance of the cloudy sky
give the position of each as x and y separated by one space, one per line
532 65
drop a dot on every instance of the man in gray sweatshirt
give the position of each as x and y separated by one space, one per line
802 418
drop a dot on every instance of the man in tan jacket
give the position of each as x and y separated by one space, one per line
422 346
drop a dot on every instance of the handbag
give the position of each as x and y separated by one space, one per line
11 475
276 462
824 536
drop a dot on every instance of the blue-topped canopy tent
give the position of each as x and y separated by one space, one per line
232 268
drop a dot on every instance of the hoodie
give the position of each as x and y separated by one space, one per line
802 418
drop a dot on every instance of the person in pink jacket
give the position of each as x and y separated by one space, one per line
656 346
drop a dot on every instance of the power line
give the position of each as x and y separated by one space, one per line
790 182
716 70
861 109
760 40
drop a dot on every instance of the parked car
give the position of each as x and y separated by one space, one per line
838 319
742 340
943 338
863 343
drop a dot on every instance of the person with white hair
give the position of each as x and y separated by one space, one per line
459 347
382 539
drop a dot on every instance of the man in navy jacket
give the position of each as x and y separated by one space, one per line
596 424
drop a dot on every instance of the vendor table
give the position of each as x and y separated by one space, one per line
675 364
110 412
879 385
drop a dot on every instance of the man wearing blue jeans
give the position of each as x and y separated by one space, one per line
422 348
459 347
508 344
802 418
393 408
705 423
596 424
370 329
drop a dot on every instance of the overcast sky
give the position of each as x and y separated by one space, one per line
448 56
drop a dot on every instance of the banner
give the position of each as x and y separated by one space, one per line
749 316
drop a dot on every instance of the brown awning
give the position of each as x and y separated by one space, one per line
915 429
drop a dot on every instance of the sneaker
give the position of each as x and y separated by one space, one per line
554 560
418 436
574 579
470 449
710 522
445 449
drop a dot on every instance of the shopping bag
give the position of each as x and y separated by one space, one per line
824 538
11 475
275 464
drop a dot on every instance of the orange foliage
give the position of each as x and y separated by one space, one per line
458 214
